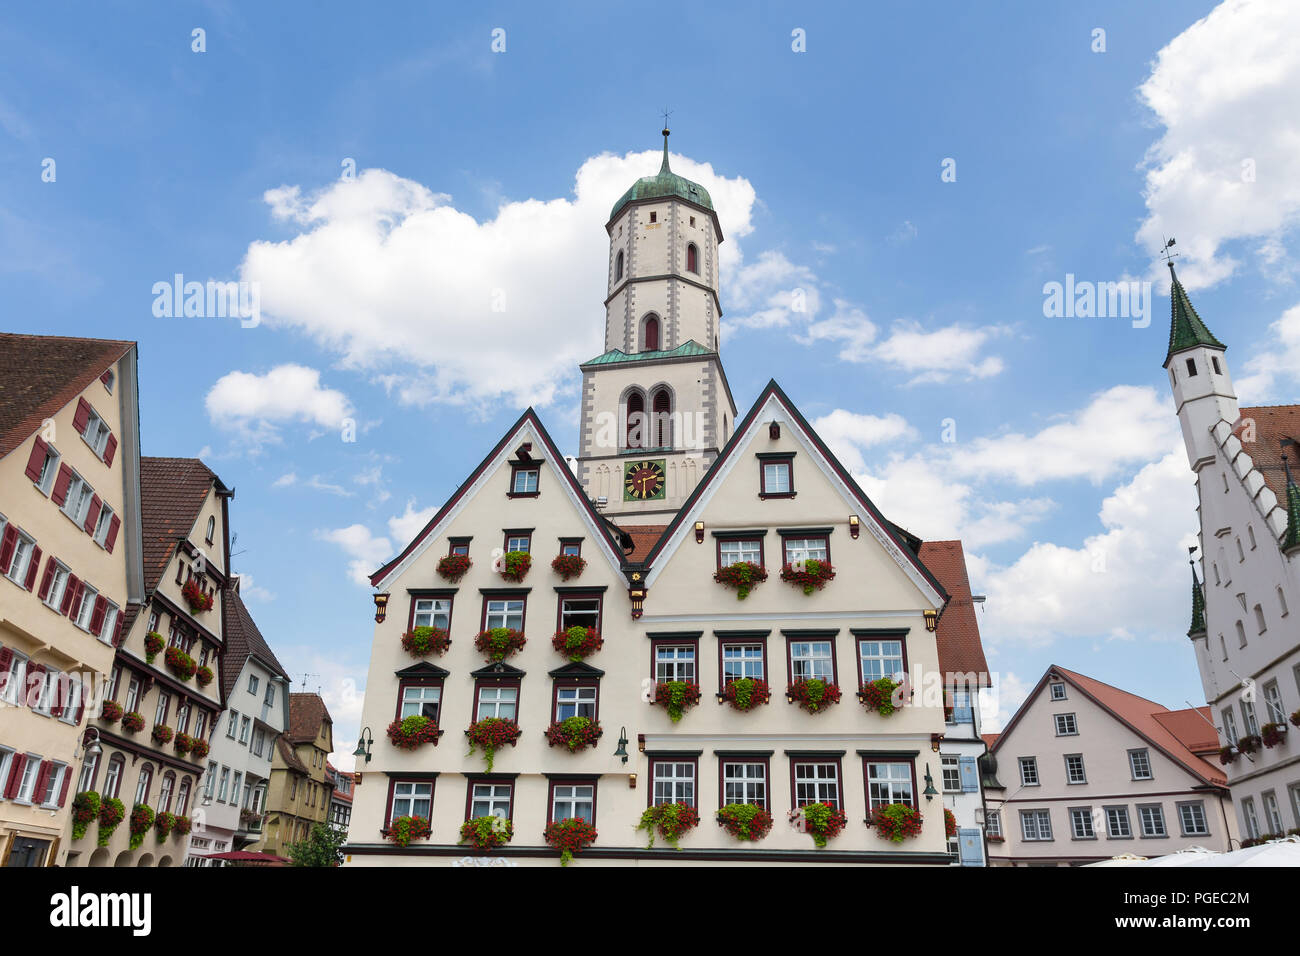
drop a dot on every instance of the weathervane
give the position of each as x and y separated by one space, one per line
1165 254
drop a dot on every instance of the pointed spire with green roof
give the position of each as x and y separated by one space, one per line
1291 539
1186 330
1198 607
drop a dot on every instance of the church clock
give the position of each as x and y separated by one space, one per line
643 480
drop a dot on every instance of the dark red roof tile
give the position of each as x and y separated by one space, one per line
958 633
172 492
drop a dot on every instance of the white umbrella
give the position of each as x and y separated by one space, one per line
1124 859
1187 857
1285 852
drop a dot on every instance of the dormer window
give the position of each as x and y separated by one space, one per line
776 477
1191 368
523 480
693 258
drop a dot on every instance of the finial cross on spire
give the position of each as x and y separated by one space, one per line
667 113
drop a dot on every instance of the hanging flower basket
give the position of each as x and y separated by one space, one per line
180 663
670 820
878 695
949 823
745 821
200 749
569 837
162 734
811 576
410 733
405 829
85 808
153 643
1249 744
576 733
821 820
515 565
110 712
500 642
163 824
742 576
181 827
897 821
747 693
183 743
678 696
813 695
132 722
111 813
453 566
141 821
1227 754
568 566
1295 719
196 597
423 641
486 833
491 734
577 642
1272 734
204 675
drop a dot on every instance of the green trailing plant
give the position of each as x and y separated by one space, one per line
500 642
85 808
163 824
162 734
577 642
491 734
141 821
670 820
878 695
677 696
132 722
515 565
949 823
743 576
486 833
153 643
898 821
180 663
813 694
405 829
204 675
810 574
745 821
569 837
412 732
422 641
747 693
111 813
110 712
200 749
181 827
576 733
822 821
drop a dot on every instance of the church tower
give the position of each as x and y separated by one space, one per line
1198 374
656 406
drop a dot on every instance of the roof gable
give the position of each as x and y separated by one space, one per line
958 632
172 494
243 640
307 714
527 427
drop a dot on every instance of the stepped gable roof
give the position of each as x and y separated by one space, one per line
242 640
1269 425
306 713
958 633
39 374
172 493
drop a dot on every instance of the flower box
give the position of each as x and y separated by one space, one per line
569 837
670 820
203 675
85 808
949 823
452 567
1227 754
486 833
746 693
1295 719
162 734
111 813
1272 734
578 642
745 821
677 696
897 822
576 733
1249 744
153 643
813 695
514 565
180 663
568 566
163 824
878 695
110 712
132 722
183 743
200 749
423 641
181 827
141 821
405 829
198 599
821 820
500 642
743 576
491 734
809 574
409 733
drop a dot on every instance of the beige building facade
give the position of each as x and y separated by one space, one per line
298 795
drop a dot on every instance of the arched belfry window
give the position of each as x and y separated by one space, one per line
636 420
662 422
693 258
651 334
618 266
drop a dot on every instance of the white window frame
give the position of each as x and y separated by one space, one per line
1118 824
1030 764
1199 827
415 697
21 559
816 781
1273 703
993 823
1067 725
1082 815
253 684
1057 690
524 481
877 656
504 612
491 799
675 662
673 781
77 501
15 687
407 795
734 550
805 549
58 584
245 728
519 542
1250 818
1041 829
777 477
1152 813
576 701
49 470
96 433
951 771
1272 813
82 615
432 612
574 797
501 702
1143 756
808 661
1070 777
232 724
744 781
742 660
102 524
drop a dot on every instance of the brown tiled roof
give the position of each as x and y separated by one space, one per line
306 711
1143 716
338 794
242 639
1272 424
172 492
644 537
958 633
1193 726
39 374
990 739
289 755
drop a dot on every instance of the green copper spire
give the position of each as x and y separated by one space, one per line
1292 537
1198 606
666 184
1186 330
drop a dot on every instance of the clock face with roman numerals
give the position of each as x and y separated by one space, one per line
643 480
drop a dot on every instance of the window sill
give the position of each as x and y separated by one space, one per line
776 494
522 494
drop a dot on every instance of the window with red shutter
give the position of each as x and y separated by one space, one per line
110 450
63 790
93 514
15 776
111 538
47 579
97 615
62 685
33 566
42 781
35 684
80 419
7 545
69 595
37 460
117 630
60 493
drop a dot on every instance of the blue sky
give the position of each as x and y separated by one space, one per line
482 171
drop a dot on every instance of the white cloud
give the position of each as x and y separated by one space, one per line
1000 703
848 433
409 523
1272 374
394 279
255 406
252 591
318 483
1227 166
906 232
366 551
287 480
